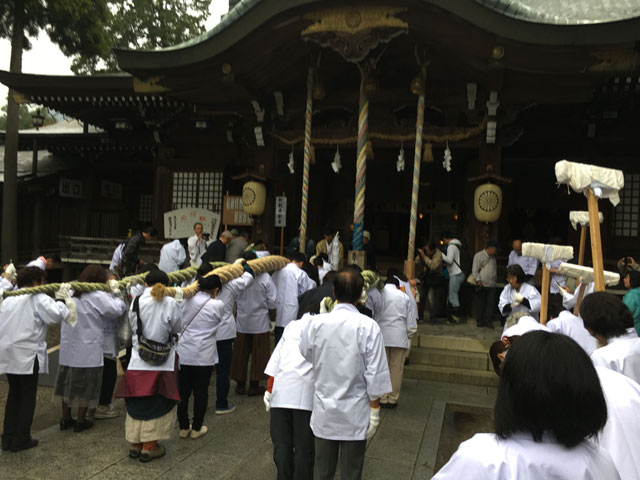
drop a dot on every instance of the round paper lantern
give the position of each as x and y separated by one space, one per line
254 195
487 202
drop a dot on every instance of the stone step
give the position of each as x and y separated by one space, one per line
451 375
450 358
444 342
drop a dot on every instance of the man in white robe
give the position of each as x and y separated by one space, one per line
529 264
291 282
621 354
172 256
197 245
572 326
346 406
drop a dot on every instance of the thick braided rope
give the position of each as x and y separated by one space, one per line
85 287
226 273
361 168
307 160
417 158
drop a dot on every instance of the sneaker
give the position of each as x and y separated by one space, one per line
66 423
199 433
229 408
82 426
184 432
106 411
148 455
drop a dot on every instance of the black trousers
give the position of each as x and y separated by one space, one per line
277 335
293 443
109 377
20 408
485 305
225 354
193 379
351 455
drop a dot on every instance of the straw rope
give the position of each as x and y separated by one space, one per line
307 160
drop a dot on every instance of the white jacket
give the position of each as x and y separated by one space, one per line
23 331
349 370
201 316
172 256
160 318
527 291
568 324
452 257
395 317
292 374
621 354
82 346
253 305
291 282
228 295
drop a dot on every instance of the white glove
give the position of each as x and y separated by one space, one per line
374 421
64 293
267 400
411 331
179 296
10 273
114 287
517 298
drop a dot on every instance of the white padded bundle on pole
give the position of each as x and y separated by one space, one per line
585 275
595 182
582 218
546 254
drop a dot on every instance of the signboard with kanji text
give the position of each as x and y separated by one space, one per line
233 213
281 212
179 223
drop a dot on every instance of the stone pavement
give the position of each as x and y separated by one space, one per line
238 444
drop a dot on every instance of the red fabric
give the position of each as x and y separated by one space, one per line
144 383
270 384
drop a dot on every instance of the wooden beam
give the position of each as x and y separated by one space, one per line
596 241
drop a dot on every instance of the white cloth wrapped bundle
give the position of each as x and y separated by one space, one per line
585 274
547 253
605 182
582 218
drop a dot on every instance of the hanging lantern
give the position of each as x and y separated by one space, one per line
318 91
417 85
487 202
253 198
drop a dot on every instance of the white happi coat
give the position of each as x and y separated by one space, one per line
117 257
6 285
82 346
349 370
569 300
621 354
572 326
291 282
292 374
23 331
529 264
524 325
196 247
172 256
396 317
374 301
228 295
409 292
621 435
160 318
39 262
528 291
253 305
487 457
201 316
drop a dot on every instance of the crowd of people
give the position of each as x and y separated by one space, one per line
567 397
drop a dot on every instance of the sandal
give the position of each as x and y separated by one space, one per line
148 455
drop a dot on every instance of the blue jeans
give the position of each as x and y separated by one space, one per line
225 352
455 282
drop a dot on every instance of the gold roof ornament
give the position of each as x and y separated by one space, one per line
150 85
353 31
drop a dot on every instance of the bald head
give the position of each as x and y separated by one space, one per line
347 287
517 246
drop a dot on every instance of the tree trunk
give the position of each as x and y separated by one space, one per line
10 187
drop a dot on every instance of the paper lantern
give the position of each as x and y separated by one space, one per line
487 202
253 198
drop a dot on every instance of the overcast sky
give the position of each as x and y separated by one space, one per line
46 58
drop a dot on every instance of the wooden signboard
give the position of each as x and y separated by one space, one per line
179 223
233 213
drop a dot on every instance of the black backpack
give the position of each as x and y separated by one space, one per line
466 260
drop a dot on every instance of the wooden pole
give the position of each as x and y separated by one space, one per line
596 241
545 294
583 244
576 308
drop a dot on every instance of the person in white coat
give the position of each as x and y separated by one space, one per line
571 325
197 245
172 256
451 257
23 354
81 358
253 324
197 353
549 404
529 265
397 324
289 399
150 387
291 282
226 335
348 386
609 320
518 296
621 435
116 258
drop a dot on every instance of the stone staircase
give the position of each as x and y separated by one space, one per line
447 357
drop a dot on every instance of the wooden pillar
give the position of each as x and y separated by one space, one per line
583 244
596 242
161 197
